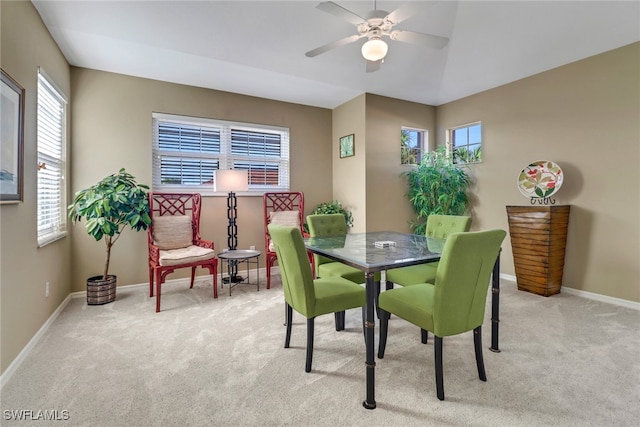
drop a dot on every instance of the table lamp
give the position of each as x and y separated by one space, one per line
231 181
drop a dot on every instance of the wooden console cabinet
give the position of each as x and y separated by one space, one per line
538 240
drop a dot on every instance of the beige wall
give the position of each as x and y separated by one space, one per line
586 117
24 268
370 183
387 205
349 173
112 129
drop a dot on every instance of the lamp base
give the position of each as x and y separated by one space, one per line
232 279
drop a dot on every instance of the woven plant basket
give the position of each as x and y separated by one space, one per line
101 291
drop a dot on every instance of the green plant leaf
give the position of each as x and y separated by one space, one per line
437 186
110 205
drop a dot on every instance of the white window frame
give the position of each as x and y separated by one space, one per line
52 161
468 145
423 136
225 159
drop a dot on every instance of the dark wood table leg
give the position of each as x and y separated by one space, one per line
495 306
370 403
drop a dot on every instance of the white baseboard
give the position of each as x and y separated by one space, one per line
589 295
4 378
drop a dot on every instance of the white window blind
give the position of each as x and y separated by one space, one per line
187 151
51 128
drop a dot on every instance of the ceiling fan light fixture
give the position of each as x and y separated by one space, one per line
374 49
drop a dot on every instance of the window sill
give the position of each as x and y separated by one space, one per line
51 238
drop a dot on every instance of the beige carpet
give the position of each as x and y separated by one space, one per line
565 361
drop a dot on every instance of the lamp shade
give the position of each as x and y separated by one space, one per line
230 180
374 49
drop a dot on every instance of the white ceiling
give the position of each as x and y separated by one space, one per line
258 47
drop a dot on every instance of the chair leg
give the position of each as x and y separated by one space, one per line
269 264
384 326
289 315
377 297
215 285
157 297
215 280
438 361
424 336
193 276
477 341
388 286
158 286
340 319
310 323
151 273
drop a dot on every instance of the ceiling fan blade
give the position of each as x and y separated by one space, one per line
423 39
373 65
339 11
408 10
327 47
322 49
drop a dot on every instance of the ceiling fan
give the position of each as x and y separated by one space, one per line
377 25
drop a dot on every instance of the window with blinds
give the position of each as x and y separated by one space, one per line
51 143
187 151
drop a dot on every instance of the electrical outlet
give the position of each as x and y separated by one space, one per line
46 289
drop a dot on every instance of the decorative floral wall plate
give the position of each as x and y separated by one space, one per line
540 179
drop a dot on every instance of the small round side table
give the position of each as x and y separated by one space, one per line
235 257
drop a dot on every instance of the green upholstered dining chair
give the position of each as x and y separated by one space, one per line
309 297
455 303
326 225
438 226
332 225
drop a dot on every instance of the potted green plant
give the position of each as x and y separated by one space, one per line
332 207
108 207
437 186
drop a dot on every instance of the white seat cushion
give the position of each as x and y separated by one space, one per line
185 255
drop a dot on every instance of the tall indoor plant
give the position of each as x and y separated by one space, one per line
111 205
437 186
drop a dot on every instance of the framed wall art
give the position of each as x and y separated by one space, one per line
11 139
346 146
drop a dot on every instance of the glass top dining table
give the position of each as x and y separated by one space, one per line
373 252
377 251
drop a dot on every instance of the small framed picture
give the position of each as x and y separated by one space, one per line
346 146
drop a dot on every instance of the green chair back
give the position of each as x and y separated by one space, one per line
462 280
295 270
326 225
441 226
